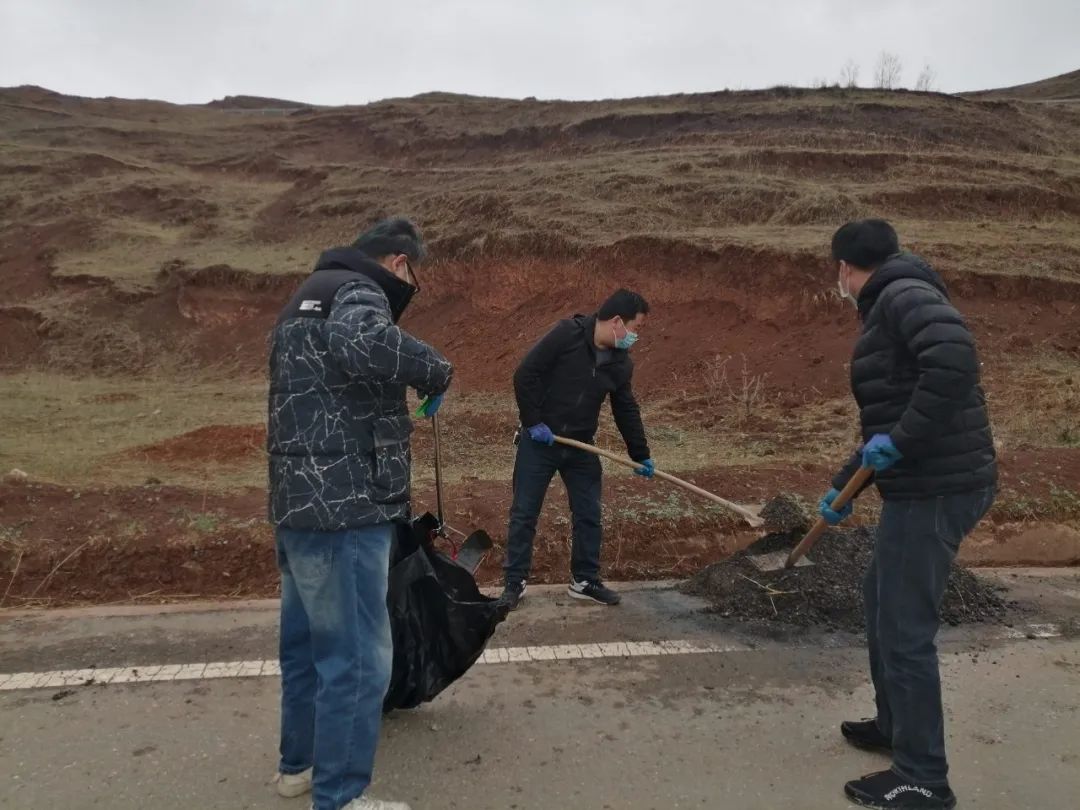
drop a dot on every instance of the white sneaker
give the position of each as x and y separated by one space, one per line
364 803
291 785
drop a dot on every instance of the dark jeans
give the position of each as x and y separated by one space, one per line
534 468
905 584
336 656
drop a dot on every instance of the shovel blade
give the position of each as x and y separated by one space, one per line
472 552
775 561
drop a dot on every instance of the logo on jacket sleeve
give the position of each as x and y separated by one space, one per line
311 306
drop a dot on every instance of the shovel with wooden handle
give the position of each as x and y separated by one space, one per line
745 514
857 482
470 553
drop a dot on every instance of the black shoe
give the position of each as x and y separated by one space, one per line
888 791
865 734
512 594
593 590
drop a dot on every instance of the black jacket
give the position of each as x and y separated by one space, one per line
915 376
562 382
338 433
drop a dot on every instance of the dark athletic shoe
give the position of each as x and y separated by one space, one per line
512 594
887 791
593 590
866 734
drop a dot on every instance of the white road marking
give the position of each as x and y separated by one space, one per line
158 673
1034 631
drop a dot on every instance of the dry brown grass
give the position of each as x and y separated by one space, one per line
1035 400
986 187
80 431
84 431
776 169
76 431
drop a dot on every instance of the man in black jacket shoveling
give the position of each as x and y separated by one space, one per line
926 433
560 386
339 479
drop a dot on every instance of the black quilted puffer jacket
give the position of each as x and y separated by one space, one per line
339 426
915 376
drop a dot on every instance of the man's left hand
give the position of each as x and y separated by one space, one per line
647 468
430 406
833 517
880 452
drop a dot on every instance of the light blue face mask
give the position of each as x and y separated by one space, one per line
626 341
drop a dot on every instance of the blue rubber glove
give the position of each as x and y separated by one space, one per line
647 468
880 452
832 517
430 406
542 433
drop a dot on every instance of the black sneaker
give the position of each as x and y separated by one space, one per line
888 791
512 594
593 590
865 734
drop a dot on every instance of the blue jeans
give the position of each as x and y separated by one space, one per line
914 550
534 467
336 656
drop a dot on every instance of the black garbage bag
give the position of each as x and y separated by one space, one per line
439 619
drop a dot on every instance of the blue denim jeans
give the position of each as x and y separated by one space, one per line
534 467
905 584
336 656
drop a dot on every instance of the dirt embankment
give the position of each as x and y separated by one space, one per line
533 210
66 546
61 545
140 238
767 310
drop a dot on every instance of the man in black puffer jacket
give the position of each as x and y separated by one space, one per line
339 477
926 434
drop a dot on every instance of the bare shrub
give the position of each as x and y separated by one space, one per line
887 71
927 81
746 390
849 74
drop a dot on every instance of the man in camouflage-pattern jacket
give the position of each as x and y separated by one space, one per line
338 441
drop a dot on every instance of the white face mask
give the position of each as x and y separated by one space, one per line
845 290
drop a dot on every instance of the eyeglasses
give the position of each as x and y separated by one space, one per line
412 274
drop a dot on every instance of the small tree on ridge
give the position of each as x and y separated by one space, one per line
849 74
927 81
887 71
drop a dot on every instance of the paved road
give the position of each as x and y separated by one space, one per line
751 725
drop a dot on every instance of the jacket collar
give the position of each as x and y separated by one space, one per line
397 292
899 266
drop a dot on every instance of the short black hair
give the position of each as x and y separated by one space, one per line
392 237
865 243
625 304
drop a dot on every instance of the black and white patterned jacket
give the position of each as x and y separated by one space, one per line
339 426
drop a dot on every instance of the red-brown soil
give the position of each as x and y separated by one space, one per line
160 542
136 236
218 444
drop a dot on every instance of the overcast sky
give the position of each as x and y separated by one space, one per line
353 51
